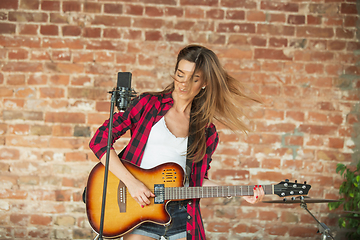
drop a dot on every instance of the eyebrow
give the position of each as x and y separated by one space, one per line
197 75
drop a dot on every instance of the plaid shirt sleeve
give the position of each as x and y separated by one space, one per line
122 122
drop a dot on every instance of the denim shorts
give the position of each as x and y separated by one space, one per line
175 230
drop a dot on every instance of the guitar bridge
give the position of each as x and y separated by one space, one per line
122 196
159 191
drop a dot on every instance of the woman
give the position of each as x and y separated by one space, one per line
175 125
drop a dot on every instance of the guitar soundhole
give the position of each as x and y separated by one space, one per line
169 175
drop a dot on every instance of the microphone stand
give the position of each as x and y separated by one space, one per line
113 100
323 229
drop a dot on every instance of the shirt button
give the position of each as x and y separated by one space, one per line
189 231
189 202
189 217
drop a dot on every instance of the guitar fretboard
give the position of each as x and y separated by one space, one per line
177 193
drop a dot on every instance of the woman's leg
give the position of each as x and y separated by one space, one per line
137 237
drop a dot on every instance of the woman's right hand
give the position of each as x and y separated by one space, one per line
139 192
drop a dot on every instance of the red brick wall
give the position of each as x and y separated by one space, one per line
59 58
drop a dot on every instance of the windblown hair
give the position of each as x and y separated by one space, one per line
222 99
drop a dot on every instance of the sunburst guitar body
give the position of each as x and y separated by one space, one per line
122 212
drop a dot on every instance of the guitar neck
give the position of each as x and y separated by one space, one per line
177 193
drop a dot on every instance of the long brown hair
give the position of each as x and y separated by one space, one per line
222 98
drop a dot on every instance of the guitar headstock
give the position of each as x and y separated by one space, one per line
286 188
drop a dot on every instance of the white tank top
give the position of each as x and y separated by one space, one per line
162 147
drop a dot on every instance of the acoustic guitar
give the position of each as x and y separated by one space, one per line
123 213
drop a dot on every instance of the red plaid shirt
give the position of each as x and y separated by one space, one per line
139 118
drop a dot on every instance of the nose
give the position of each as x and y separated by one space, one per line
184 82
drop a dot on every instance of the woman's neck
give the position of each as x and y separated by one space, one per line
181 105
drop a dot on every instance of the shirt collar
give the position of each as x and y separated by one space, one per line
167 98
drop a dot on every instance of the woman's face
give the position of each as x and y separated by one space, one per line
185 87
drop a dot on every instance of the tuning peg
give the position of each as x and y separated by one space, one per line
304 182
295 181
284 199
293 198
286 180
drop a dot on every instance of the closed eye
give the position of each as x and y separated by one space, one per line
180 73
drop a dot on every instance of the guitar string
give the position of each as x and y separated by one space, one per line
212 188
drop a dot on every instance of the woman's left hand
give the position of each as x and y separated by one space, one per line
258 195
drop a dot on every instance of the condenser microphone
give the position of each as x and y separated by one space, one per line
124 90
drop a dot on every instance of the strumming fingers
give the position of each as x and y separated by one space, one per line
145 200
140 201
